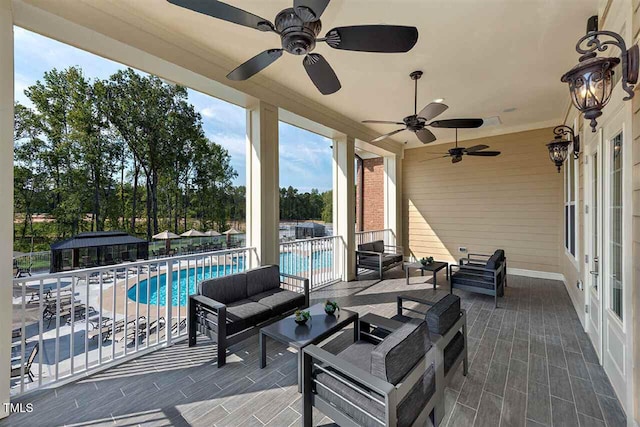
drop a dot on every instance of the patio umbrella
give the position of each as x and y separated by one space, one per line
167 236
231 232
211 233
193 233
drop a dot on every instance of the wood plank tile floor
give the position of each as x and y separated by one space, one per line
531 365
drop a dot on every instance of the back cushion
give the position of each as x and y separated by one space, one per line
225 289
443 314
378 246
262 279
492 264
368 247
393 358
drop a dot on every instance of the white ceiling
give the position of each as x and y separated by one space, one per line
482 56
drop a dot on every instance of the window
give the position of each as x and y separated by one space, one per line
615 246
570 195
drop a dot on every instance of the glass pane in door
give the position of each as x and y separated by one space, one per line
594 225
615 248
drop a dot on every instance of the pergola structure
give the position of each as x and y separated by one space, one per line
500 60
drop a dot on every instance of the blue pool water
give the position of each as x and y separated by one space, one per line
155 290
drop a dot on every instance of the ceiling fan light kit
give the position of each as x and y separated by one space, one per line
591 80
299 28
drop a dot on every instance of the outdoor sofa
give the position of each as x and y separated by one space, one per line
483 274
378 257
231 308
390 382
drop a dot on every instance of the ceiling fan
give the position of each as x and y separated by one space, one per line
417 122
456 153
298 28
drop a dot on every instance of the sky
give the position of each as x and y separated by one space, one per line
305 158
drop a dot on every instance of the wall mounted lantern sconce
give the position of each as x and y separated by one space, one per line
591 80
559 147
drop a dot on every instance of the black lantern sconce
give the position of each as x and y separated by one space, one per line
559 147
591 80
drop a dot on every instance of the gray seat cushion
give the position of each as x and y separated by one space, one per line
475 279
374 261
262 279
279 300
443 314
358 354
393 358
225 289
245 313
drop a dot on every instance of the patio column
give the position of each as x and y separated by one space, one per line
393 198
6 189
263 186
344 203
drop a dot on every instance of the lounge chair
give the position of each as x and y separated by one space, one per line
390 382
378 257
18 372
447 327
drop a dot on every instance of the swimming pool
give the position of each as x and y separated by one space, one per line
154 291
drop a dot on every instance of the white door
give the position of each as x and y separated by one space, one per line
613 280
594 240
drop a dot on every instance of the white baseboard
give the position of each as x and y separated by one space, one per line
536 274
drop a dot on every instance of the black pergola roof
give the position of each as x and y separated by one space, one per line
97 239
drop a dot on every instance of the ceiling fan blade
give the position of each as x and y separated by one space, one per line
310 10
255 64
425 136
226 12
484 153
383 122
386 135
373 38
321 73
432 110
433 158
457 123
475 148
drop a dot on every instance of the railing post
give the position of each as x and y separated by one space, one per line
169 300
310 261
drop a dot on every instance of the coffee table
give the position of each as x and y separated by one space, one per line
434 267
318 328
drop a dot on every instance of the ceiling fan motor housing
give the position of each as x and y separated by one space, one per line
298 37
414 123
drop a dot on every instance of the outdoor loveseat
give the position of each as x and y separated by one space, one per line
378 257
483 274
390 382
229 309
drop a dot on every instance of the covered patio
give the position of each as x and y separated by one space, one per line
531 364
559 347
